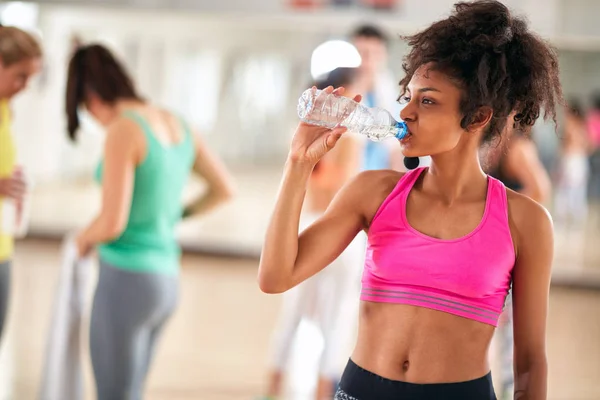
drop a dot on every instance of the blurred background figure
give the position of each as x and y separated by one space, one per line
20 59
515 162
593 129
381 90
328 298
148 156
570 202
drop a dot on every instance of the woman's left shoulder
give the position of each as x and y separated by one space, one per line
528 219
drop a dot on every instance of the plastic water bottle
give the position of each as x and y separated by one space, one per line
316 107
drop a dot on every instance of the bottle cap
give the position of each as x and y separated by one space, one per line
402 130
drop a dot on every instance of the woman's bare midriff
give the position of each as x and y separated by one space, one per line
419 345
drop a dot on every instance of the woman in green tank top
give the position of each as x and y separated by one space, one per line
147 160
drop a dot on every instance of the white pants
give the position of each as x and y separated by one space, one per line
331 299
571 193
503 344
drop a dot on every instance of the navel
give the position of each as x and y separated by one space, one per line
405 366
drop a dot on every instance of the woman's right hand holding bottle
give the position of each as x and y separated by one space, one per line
311 142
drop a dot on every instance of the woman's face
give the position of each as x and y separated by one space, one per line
431 112
15 77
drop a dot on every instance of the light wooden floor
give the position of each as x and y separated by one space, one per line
215 346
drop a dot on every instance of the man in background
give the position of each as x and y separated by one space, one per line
383 91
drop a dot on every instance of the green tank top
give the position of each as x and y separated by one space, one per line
148 243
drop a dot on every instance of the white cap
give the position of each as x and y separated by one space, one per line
331 55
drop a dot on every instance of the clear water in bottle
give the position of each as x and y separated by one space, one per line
316 107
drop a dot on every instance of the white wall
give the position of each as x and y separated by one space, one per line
232 79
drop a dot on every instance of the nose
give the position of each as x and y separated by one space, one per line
408 112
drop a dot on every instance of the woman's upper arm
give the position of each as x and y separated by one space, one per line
211 168
531 280
121 156
350 212
324 240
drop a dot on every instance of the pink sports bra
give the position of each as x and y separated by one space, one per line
469 276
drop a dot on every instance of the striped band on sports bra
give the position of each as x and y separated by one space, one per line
430 301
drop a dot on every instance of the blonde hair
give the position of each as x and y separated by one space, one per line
16 45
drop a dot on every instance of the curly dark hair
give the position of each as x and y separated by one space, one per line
495 60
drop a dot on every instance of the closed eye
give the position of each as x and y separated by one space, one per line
406 100
403 99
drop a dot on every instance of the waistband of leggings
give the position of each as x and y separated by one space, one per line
353 369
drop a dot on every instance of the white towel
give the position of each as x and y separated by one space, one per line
62 377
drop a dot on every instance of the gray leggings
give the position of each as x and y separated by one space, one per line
4 292
128 314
